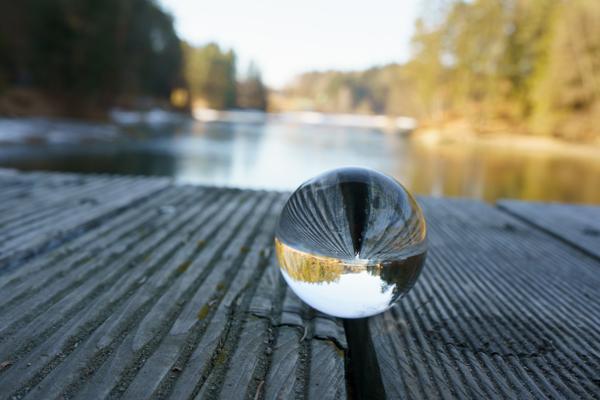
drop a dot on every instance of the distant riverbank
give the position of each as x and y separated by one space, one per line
275 154
382 122
505 142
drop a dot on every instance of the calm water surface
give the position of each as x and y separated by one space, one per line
281 156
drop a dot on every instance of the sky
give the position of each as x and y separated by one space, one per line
288 37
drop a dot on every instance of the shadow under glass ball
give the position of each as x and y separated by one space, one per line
350 242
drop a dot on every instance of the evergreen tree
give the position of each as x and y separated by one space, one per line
252 93
211 75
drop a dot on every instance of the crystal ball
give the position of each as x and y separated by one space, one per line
350 242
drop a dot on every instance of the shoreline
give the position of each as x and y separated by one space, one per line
430 137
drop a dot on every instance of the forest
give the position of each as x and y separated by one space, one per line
531 66
82 57
525 66
79 57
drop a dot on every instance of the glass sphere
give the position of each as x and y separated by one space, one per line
350 242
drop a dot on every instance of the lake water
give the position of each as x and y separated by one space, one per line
277 155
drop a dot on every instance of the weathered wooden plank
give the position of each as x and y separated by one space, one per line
153 300
501 310
40 190
207 295
56 335
33 297
37 224
31 205
176 294
274 316
157 267
136 221
578 225
327 379
285 377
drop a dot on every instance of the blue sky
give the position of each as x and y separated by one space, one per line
287 37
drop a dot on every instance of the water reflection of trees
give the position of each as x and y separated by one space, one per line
491 173
305 267
310 268
400 275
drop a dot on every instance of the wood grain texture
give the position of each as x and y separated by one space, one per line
124 287
148 290
578 225
501 310
41 210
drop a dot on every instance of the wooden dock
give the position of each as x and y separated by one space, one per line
127 287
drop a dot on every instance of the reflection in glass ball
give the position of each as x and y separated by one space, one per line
350 242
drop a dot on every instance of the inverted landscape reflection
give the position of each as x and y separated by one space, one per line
350 242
